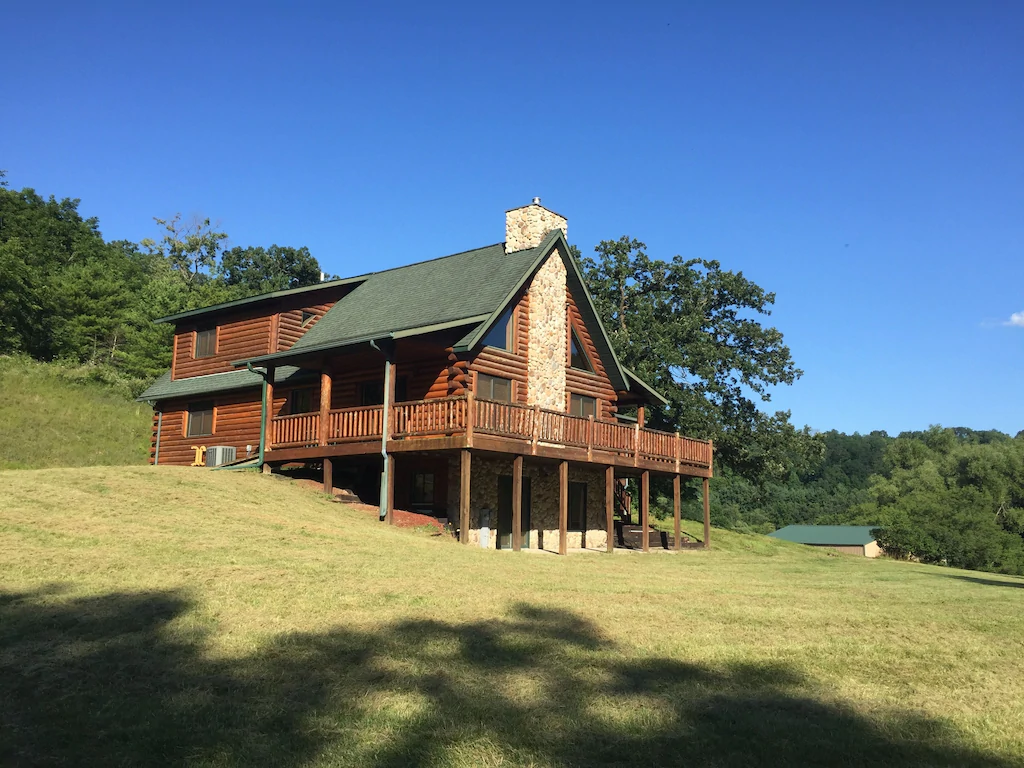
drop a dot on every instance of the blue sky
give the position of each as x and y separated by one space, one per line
863 161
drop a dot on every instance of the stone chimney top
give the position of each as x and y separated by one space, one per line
526 227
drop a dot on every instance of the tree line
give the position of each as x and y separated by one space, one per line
67 294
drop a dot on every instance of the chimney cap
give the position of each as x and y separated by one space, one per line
536 201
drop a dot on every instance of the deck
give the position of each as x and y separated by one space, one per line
468 422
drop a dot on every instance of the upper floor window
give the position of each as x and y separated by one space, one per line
494 388
206 343
577 353
301 401
372 392
200 420
581 405
307 317
501 334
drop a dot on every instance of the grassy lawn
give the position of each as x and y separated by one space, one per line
55 417
174 616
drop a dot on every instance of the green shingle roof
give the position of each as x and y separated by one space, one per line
163 388
834 535
465 285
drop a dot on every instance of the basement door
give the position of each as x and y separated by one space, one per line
505 511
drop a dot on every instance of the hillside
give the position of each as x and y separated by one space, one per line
51 416
162 616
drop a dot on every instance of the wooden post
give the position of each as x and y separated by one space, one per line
536 429
707 515
470 417
325 404
268 439
389 493
636 444
590 438
645 503
464 496
676 512
328 476
517 503
676 451
640 416
563 507
609 505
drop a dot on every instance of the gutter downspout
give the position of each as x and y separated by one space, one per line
385 425
159 424
263 425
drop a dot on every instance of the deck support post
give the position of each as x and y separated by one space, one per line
517 503
645 503
268 428
609 506
563 507
707 514
676 512
466 467
328 476
325 404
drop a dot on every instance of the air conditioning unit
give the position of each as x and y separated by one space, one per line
219 454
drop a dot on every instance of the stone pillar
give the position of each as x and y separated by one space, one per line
527 226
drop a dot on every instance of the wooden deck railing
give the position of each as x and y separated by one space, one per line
346 425
296 431
467 415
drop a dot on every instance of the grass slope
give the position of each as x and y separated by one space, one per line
169 616
51 416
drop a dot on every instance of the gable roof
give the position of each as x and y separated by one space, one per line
834 535
470 289
259 298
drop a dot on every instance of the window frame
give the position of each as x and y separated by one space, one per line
576 343
200 407
486 379
418 494
205 333
296 394
508 319
306 317
583 400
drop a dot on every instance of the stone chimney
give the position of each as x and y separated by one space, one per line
526 227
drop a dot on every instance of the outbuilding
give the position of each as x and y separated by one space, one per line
851 539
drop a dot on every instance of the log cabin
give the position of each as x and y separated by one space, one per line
479 387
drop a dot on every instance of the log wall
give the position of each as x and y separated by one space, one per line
236 421
596 384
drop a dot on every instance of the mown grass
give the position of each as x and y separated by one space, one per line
52 416
174 616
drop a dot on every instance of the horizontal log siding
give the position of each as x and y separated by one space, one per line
236 421
237 338
504 363
597 384
290 328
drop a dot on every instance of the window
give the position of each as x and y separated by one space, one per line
494 388
307 317
501 334
200 420
581 405
206 343
577 354
577 506
372 392
423 489
301 401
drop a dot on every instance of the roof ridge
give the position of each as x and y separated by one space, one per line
428 261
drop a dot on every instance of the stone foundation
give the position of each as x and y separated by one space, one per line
544 497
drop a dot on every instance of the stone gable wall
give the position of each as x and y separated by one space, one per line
544 491
548 336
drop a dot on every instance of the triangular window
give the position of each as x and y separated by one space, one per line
577 354
500 335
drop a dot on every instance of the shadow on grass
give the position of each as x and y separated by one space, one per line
988 582
125 679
